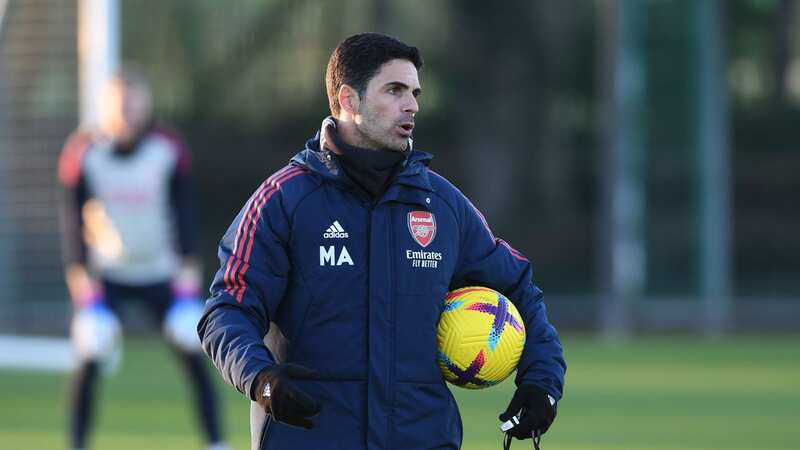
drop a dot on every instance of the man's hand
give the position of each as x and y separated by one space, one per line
84 290
536 409
277 393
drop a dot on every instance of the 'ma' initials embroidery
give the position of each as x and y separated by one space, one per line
328 257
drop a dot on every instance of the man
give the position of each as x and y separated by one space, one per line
127 235
322 258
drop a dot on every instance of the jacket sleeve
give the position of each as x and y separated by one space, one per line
247 289
180 196
485 260
74 195
180 191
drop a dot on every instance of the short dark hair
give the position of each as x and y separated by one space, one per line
358 58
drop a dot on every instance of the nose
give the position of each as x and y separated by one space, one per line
411 104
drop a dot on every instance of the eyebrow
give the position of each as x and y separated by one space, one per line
416 92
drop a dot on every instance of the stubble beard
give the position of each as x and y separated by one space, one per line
372 137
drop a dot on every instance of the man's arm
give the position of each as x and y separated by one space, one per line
83 289
187 282
247 290
180 193
488 261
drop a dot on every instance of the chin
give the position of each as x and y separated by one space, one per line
398 146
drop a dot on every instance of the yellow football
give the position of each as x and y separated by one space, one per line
481 336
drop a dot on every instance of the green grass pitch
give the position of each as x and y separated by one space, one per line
666 393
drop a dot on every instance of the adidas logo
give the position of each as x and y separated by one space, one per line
335 231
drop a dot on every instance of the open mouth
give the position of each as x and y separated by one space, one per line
407 128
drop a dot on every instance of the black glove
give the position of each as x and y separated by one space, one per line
277 393
537 413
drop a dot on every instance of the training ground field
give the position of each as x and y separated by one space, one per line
666 393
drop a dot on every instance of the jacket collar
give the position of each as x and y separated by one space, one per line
321 161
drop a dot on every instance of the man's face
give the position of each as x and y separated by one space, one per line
384 117
125 110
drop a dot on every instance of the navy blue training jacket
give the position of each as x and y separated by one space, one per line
358 297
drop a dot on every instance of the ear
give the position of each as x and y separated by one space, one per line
348 99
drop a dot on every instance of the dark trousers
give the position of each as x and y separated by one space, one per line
157 298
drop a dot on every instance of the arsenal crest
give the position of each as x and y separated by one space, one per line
422 226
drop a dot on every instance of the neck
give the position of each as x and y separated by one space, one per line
349 134
371 170
127 143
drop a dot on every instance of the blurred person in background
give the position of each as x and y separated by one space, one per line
127 233
326 261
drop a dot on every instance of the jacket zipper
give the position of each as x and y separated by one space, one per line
264 432
392 329
370 209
